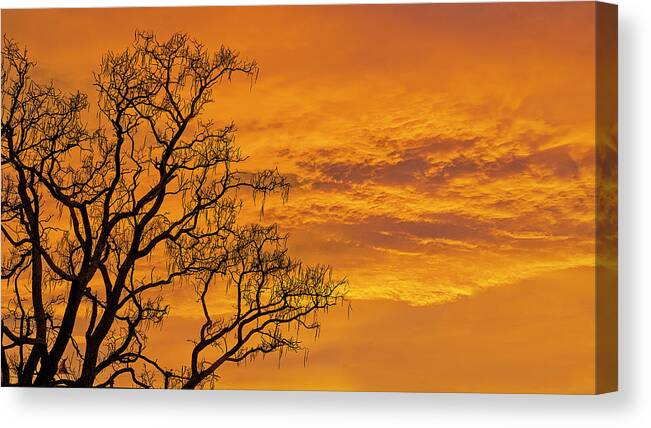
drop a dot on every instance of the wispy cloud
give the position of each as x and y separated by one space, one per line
428 158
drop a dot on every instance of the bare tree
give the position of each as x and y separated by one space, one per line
99 224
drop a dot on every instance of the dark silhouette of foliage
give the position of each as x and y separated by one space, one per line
100 223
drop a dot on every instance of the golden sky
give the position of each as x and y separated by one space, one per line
442 159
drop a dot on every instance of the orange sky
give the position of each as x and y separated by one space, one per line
442 158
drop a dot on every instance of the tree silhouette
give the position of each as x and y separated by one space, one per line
99 223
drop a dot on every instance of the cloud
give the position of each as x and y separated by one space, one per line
486 207
427 161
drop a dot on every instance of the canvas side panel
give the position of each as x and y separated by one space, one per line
606 198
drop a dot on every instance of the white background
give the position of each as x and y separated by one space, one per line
631 407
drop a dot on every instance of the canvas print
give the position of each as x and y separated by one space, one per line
403 197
